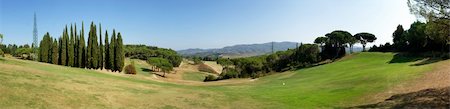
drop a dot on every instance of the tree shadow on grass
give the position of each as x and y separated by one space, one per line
427 58
405 57
146 70
427 61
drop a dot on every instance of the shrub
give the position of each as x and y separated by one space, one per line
228 73
130 69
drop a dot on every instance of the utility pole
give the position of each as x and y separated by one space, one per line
35 36
272 47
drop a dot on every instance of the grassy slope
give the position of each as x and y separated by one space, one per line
194 76
32 84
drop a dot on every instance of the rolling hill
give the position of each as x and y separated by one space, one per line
242 50
350 81
245 50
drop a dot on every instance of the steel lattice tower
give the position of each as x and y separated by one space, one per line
35 34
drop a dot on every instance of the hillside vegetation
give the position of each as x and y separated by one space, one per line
27 84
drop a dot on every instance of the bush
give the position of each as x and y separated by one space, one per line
130 69
210 78
228 73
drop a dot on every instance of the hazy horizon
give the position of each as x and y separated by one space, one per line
179 24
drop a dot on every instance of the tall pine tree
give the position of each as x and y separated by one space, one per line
70 45
112 51
100 62
75 47
93 46
119 53
64 48
60 51
55 50
82 48
107 62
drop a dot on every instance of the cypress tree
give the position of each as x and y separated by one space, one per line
41 50
82 48
60 51
49 48
93 47
44 48
89 50
107 62
107 66
64 48
112 51
70 49
75 46
55 52
100 62
119 53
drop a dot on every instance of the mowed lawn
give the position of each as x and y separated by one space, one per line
26 84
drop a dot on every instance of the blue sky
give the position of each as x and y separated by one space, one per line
182 24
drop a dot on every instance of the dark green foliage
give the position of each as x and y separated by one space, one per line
399 38
45 49
321 41
335 46
225 62
70 49
197 60
421 37
93 49
119 54
365 38
112 52
55 50
305 55
82 49
145 52
416 36
107 56
229 73
75 47
160 64
100 62
64 50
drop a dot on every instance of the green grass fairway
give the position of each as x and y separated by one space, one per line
27 84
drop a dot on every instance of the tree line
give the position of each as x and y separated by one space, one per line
144 52
70 49
328 47
430 36
160 59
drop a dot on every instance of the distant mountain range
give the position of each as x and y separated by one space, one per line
245 50
241 50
